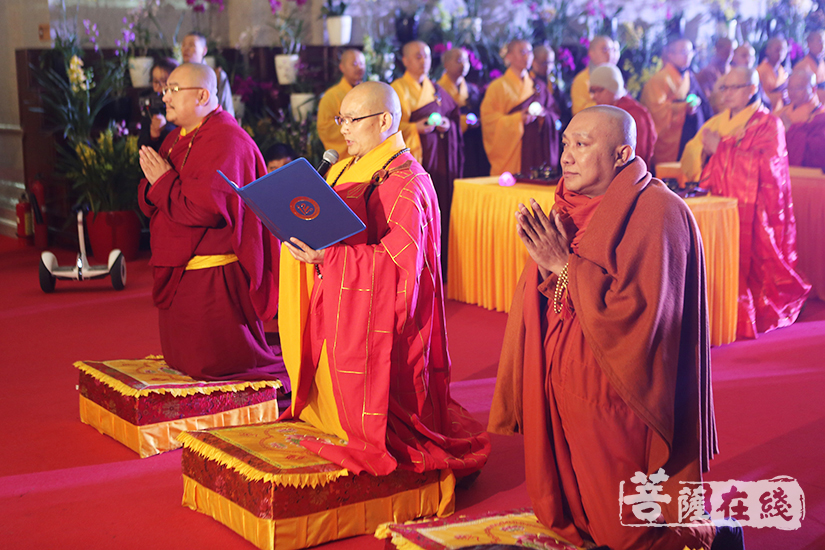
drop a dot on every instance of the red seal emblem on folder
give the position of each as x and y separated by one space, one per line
305 208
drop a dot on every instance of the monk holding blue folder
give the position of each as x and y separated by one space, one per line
363 327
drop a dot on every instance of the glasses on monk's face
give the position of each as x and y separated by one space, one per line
347 120
725 88
175 89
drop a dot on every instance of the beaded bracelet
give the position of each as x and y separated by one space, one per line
318 271
561 284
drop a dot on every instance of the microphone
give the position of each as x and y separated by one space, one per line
330 158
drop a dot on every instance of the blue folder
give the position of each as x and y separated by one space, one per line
295 201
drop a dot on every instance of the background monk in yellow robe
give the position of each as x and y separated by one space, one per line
741 153
664 96
353 68
814 61
372 362
437 144
605 366
772 73
467 96
516 139
804 120
602 50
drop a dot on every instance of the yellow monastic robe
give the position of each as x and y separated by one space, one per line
791 114
413 96
295 288
459 93
502 131
771 80
693 157
580 91
328 109
818 68
664 96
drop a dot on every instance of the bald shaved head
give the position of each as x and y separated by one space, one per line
451 55
378 96
372 113
598 143
192 94
198 74
801 86
618 125
602 49
353 66
417 59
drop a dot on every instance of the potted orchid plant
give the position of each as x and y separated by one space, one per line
290 28
339 24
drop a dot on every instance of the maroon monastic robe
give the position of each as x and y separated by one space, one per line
442 155
753 168
210 319
542 139
806 142
645 127
619 381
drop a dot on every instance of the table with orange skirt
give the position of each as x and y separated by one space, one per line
808 189
486 256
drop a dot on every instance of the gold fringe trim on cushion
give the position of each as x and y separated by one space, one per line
152 439
253 474
125 389
361 518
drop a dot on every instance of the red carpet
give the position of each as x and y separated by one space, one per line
62 484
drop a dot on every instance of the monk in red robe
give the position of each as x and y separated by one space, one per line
431 127
607 88
741 153
374 367
804 120
605 367
212 258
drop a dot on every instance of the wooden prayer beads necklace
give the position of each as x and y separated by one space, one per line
183 132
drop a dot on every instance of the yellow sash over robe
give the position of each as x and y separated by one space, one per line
693 158
502 131
771 80
328 109
580 91
295 285
413 96
458 92
664 96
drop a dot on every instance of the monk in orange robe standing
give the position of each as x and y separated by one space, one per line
814 61
353 68
804 120
602 50
607 88
741 153
374 367
437 144
772 74
215 265
517 137
605 366
665 96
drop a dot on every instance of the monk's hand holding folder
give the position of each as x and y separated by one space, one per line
303 253
545 239
300 208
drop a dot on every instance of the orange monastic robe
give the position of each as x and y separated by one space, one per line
664 96
328 109
771 80
460 93
580 91
413 96
501 129
751 165
619 381
374 366
816 66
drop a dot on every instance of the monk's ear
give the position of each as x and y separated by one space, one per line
624 154
203 96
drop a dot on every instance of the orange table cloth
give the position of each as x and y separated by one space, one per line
486 256
808 189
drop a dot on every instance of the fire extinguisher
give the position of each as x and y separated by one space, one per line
25 227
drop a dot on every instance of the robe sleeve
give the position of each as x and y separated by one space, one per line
669 116
409 130
168 196
693 157
580 92
501 132
328 131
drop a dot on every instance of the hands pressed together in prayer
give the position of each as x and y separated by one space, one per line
546 240
303 253
152 164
